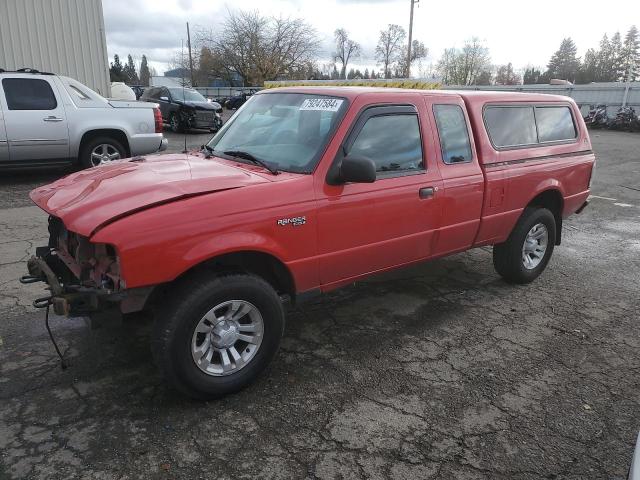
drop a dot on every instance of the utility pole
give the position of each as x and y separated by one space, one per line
190 57
408 72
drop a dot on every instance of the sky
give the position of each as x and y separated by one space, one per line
521 32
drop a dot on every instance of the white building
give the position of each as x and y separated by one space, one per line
65 37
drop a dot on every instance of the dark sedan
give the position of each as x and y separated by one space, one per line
184 108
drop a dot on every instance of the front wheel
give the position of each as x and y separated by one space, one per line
526 253
215 335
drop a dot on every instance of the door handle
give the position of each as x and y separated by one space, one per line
427 192
52 119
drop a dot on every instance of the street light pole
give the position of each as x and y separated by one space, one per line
408 72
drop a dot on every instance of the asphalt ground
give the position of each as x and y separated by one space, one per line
436 371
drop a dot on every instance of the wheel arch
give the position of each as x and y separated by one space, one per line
262 264
115 133
552 200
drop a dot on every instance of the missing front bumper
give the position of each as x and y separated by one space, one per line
67 300
71 299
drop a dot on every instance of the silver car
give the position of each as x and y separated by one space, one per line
47 119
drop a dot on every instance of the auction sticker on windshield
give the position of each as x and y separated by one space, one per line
322 104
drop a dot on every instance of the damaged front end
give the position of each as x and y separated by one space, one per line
83 277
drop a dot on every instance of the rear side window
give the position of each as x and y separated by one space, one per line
555 124
391 141
453 133
150 93
511 126
29 94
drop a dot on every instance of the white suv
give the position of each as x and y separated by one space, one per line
47 119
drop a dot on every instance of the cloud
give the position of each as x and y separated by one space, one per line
156 27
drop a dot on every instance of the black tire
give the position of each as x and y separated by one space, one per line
175 124
179 315
87 148
508 256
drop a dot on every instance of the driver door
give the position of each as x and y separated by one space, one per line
368 227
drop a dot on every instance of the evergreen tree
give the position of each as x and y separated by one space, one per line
630 58
506 76
589 68
116 71
616 69
483 78
564 64
603 61
145 75
334 73
531 76
129 71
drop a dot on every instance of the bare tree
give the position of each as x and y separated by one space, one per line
467 66
390 48
345 49
262 48
418 53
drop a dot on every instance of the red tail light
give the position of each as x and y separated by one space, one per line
158 118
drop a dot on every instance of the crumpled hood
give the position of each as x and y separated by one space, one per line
91 198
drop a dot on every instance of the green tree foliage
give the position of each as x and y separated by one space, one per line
145 74
630 58
506 76
116 73
589 69
565 63
534 75
130 74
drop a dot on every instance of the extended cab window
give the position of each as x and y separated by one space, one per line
29 94
391 141
453 133
555 124
511 126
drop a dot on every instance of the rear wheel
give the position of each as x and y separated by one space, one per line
526 253
100 151
214 336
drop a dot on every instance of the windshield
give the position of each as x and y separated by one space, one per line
288 131
186 95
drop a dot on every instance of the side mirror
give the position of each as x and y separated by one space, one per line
164 99
357 170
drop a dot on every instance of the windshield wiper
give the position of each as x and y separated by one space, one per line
251 158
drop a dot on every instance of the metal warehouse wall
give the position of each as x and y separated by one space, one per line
66 37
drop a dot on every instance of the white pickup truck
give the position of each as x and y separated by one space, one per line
47 119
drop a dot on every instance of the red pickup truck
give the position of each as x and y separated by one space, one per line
302 191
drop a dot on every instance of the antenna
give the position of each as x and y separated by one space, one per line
183 80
